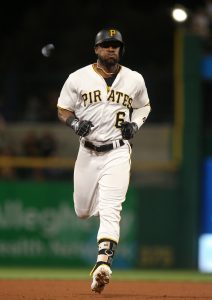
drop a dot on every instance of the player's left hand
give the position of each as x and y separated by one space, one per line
128 130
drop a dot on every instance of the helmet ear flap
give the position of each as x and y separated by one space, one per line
122 50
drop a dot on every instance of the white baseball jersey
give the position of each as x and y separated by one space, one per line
85 93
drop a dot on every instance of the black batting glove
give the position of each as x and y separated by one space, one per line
81 128
128 130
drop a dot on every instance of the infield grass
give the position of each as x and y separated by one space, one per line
83 274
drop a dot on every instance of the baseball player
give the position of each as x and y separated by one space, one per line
105 104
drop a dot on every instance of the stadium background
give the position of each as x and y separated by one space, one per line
162 216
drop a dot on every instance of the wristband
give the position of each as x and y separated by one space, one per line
69 120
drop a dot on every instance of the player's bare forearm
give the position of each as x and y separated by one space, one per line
64 114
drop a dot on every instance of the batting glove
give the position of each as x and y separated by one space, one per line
81 128
128 130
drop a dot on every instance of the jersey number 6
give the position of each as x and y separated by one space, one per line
119 119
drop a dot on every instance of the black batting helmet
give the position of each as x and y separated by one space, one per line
110 34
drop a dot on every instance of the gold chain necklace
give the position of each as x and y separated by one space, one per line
98 67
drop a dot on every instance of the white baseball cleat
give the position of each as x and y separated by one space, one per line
101 277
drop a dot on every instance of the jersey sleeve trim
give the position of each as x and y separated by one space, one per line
65 108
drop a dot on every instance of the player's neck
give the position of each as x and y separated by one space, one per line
107 71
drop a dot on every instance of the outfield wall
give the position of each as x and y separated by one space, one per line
38 226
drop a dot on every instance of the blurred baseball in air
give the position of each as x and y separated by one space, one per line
47 50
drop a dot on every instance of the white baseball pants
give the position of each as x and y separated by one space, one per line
101 181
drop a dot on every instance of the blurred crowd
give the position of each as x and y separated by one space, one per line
36 106
32 145
38 109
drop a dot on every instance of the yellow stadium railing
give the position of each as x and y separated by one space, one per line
68 163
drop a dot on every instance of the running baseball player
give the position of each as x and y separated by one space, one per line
105 104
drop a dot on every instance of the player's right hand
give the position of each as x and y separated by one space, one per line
81 128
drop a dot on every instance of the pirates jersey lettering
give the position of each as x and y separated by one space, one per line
114 97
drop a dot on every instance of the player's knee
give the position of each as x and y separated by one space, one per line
82 214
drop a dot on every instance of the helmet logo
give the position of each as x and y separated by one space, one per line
112 32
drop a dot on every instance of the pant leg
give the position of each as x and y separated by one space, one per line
86 176
113 186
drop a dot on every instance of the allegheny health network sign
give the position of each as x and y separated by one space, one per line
38 226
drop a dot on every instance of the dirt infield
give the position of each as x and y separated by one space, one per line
75 289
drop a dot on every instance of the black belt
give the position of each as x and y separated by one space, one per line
104 148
